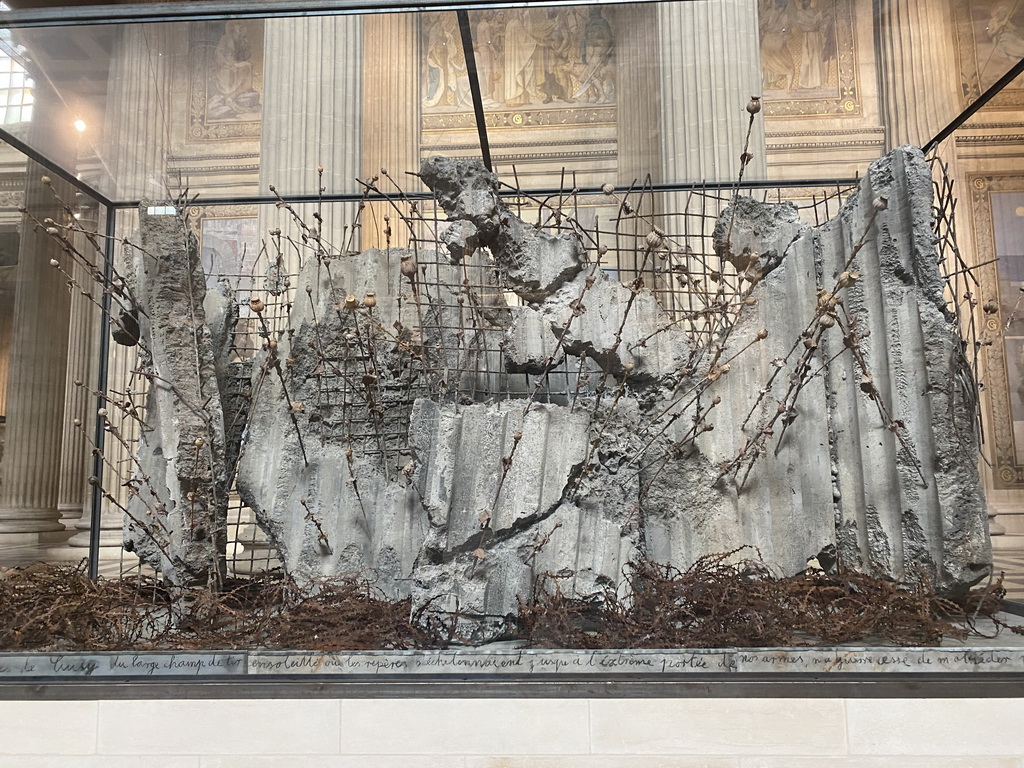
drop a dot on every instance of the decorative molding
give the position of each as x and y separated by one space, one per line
555 155
990 139
872 143
211 170
836 132
191 158
528 118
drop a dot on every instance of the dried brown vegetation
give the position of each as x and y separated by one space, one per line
721 601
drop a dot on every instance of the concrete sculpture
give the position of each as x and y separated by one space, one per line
827 408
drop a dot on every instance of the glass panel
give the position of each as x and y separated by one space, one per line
49 339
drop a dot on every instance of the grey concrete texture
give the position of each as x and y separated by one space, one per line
391 433
533 263
177 519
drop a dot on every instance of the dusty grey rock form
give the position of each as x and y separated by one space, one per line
388 441
892 520
327 465
491 531
320 464
749 234
177 520
534 263
841 476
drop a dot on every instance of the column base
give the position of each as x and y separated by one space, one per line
109 538
70 512
19 520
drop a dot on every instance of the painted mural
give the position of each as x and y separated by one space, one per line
226 80
808 57
990 40
526 57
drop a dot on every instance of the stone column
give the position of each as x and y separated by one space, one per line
30 471
637 74
139 99
392 98
119 465
312 84
710 67
79 404
140 107
917 73
8 286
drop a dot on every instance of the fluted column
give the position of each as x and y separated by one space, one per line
8 285
637 74
917 71
710 67
312 84
81 377
139 111
137 131
392 98
30 471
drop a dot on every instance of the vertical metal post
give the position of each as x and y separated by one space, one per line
101 386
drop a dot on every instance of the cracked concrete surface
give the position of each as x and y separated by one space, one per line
377 443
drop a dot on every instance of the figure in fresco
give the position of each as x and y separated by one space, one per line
233 77
447 78
1005 34
521 60
485 41
525 56
809 20
776 58
797 44
596 51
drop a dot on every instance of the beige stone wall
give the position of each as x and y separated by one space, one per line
514 733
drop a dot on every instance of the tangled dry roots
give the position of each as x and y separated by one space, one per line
721 601
46 607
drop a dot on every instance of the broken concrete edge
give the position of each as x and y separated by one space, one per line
177 517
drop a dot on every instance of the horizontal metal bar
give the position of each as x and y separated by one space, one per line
55 168
255 9
355 197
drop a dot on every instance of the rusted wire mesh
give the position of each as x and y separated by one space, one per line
720 601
